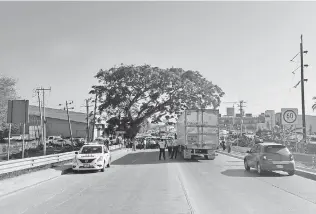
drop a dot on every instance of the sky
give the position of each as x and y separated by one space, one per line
244 47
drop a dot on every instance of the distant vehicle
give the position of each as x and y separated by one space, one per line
92 157
270 157
198 133
54 139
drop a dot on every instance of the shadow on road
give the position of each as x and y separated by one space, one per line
252 173
63 168
148 157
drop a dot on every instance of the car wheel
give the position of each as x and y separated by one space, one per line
247 167
108 165
206 157
259 170
103 169
292 172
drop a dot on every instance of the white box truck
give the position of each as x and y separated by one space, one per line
198 133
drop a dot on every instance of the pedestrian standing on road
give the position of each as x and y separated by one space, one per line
175 149
134 144
170 145
162 149
223 145
144 143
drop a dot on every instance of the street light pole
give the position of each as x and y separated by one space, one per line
302 90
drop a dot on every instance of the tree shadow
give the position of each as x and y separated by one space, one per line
148 157
251 173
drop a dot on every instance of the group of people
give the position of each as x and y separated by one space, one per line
226 144
172 146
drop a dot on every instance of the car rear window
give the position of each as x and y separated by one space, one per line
280 149
91 149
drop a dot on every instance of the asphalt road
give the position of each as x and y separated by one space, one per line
140 183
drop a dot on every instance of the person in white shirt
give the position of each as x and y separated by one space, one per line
162 149
144 143
175 149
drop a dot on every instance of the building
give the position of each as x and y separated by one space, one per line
57 123
269 119
235 123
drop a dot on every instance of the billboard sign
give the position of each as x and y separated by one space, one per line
230 111
18 112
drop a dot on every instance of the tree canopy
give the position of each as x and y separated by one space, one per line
132 94
7 92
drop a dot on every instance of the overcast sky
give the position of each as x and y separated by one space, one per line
244 47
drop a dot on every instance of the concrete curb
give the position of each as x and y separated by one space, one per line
298 171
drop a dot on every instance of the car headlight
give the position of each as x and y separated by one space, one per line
100 159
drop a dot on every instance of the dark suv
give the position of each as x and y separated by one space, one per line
270 157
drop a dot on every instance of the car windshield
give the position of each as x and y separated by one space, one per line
91 149
279 149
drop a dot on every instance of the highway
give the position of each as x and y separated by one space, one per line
138 183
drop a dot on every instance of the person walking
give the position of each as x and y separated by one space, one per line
162 149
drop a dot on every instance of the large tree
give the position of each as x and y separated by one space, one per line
7 92
136 93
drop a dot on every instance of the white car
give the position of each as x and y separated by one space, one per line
92 157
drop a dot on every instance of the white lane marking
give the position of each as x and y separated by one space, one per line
186 195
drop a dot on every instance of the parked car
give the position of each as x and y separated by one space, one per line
270 157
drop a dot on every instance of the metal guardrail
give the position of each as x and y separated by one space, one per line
29 163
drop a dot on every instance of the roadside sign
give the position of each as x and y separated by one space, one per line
18 111
289 116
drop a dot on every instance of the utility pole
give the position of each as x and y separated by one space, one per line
44 119
87 129
302 82
69 122
95 111
41 116
302 89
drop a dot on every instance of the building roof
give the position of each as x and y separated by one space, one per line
59 114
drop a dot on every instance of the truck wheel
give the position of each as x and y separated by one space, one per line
206 157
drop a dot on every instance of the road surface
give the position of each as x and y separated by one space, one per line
139 183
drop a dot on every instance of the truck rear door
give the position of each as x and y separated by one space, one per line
209 130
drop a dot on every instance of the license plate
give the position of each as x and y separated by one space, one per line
279 166
86 165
